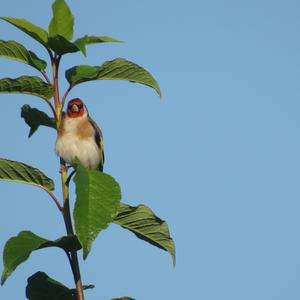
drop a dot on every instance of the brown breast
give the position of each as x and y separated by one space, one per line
83 128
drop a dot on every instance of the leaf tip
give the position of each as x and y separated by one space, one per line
86 248
172 252
158 90
174 260
118 41
85 254
3 278
31 132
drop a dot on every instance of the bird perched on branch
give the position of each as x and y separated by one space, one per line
80 138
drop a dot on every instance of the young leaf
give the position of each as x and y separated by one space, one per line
16 51
62 22
37 33
35 118
61 45
18 249
98 198
147 226
30 85
41 287
118 69
89 40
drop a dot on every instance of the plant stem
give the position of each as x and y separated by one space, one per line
72 255
55 66
68 222
58 107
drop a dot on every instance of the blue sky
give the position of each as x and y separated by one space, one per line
218 157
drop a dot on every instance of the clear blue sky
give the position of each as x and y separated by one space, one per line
218 157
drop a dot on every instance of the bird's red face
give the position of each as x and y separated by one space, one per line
75 108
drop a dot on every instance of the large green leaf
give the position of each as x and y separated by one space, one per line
118 69
30 85
35 118
61 45
41 287
98 198
37 33
16 51
62 22
18 249
15 171
89 40
147 226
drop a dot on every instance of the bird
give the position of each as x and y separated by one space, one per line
79 137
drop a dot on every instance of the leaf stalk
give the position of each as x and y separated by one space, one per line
56 201
65 96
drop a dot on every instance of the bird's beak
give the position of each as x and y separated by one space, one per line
75 108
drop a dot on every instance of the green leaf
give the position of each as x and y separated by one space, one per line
68 243
61 45
89 40
37 33
62 22
35 118
15 171
98 199
30 85
16 51
81 74
41 287
18 249
147 226
122 69
118 69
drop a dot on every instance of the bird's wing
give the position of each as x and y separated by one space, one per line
99 142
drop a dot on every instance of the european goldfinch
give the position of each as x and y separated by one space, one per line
80 138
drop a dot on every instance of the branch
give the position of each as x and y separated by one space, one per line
68 222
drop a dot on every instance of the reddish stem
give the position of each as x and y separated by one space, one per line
55 66
53 110
65 96
56 201
46 77
55 60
